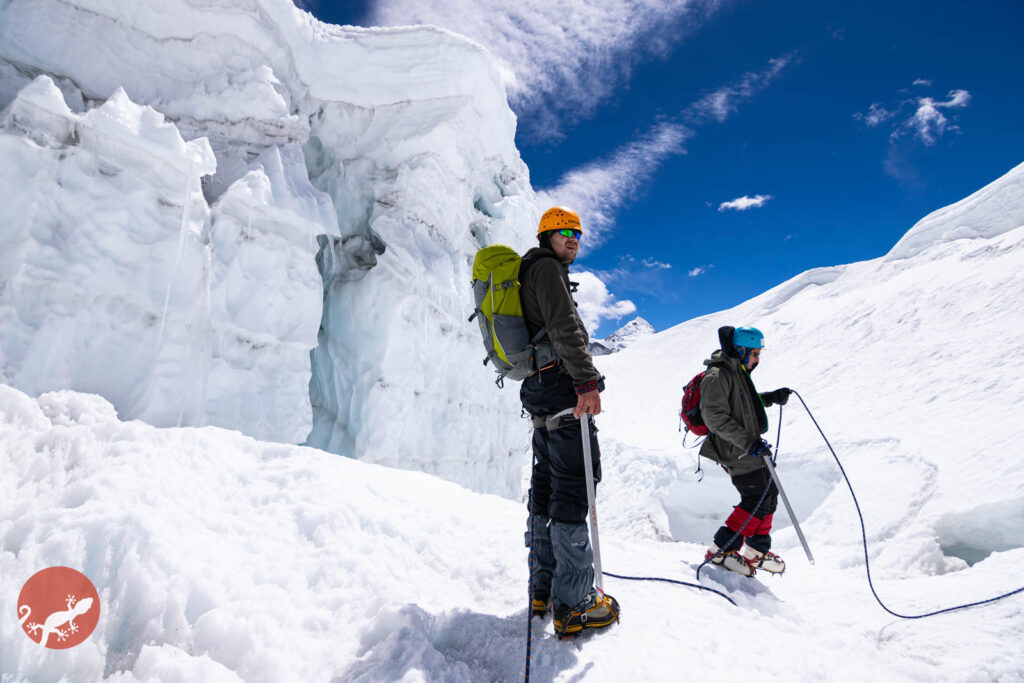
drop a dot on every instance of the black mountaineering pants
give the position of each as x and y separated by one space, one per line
751 487
559 482
563 565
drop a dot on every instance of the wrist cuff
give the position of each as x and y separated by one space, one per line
592 385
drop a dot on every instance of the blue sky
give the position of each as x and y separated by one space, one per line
716 148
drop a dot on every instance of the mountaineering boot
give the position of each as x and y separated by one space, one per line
540 604
596 611
731 560
768 561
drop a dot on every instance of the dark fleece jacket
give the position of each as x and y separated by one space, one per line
548 304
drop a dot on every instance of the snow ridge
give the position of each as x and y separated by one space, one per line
994 209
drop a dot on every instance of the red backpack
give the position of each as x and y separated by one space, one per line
690 413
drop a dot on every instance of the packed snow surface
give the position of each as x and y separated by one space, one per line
221 558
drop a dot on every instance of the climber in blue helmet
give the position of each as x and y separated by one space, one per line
734 413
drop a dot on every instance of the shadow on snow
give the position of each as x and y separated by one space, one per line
457 646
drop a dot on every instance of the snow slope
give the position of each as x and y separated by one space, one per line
913 357
222 558
228 213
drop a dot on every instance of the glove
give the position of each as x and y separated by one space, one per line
780 396
761 448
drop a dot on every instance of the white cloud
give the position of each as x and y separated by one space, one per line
925 119
876 115
560 59
597 190
652 263
636 275
718 105
699 270
743 203
928 122
596 303
957 99
630 267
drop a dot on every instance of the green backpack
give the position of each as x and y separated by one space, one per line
500 313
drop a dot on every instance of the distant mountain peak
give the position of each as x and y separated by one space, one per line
622 337
637 327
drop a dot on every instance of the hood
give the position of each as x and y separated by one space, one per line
725 341
729 350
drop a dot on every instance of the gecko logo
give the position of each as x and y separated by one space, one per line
58 607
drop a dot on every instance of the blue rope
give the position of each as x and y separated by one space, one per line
864 538
681 583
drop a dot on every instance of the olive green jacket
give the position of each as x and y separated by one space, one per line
733 412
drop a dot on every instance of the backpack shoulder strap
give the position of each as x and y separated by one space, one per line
529 259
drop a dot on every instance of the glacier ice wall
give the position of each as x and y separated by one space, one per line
104 269
307 280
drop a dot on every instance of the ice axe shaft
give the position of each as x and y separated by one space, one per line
789 508
588 467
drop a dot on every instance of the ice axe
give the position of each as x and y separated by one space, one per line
789 508
591 496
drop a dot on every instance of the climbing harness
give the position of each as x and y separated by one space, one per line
560 419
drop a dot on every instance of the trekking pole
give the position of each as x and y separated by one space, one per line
588 467
789 508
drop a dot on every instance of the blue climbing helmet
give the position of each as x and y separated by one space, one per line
748 338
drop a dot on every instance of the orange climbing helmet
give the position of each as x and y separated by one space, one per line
557 218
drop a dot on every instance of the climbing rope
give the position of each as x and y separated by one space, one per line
719 553
864 538
681 583
529 606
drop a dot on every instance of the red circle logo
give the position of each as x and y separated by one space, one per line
58 607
